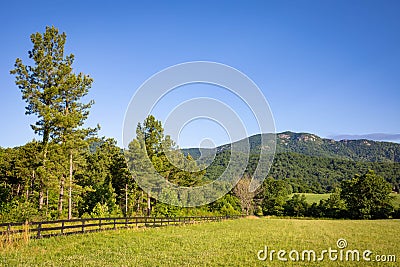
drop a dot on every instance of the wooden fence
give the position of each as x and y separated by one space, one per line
74 226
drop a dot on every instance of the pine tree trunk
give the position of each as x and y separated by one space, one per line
41 183
148 205
140 200
47 201
126 200
32 181
30 186
18 188
70 187
41 195
61 197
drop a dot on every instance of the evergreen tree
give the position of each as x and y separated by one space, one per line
154 161
53 93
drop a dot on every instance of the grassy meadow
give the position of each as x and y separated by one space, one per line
313 198
227 243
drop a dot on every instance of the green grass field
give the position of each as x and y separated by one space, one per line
227 243
313 198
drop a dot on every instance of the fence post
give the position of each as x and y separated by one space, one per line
115 225
154 222
39 234
8 232
83 225
126 222
62 227
100 224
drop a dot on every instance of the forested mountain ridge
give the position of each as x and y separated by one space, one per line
313 164
357 150
313 145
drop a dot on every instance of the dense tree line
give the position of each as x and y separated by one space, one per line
102 182
102 186
311 174
364 196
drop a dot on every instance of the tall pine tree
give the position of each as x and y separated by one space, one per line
53 93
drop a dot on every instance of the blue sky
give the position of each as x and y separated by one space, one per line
325 67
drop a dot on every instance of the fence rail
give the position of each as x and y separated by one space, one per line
75 226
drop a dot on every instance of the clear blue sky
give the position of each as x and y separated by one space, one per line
326 67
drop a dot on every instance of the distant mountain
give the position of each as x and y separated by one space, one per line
308 162
357 150
372 136
312 145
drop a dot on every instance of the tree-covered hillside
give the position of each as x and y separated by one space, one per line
358 150
309 174
313 164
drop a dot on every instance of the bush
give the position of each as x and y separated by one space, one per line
100 210
296 206
227 205
21 212
367 196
